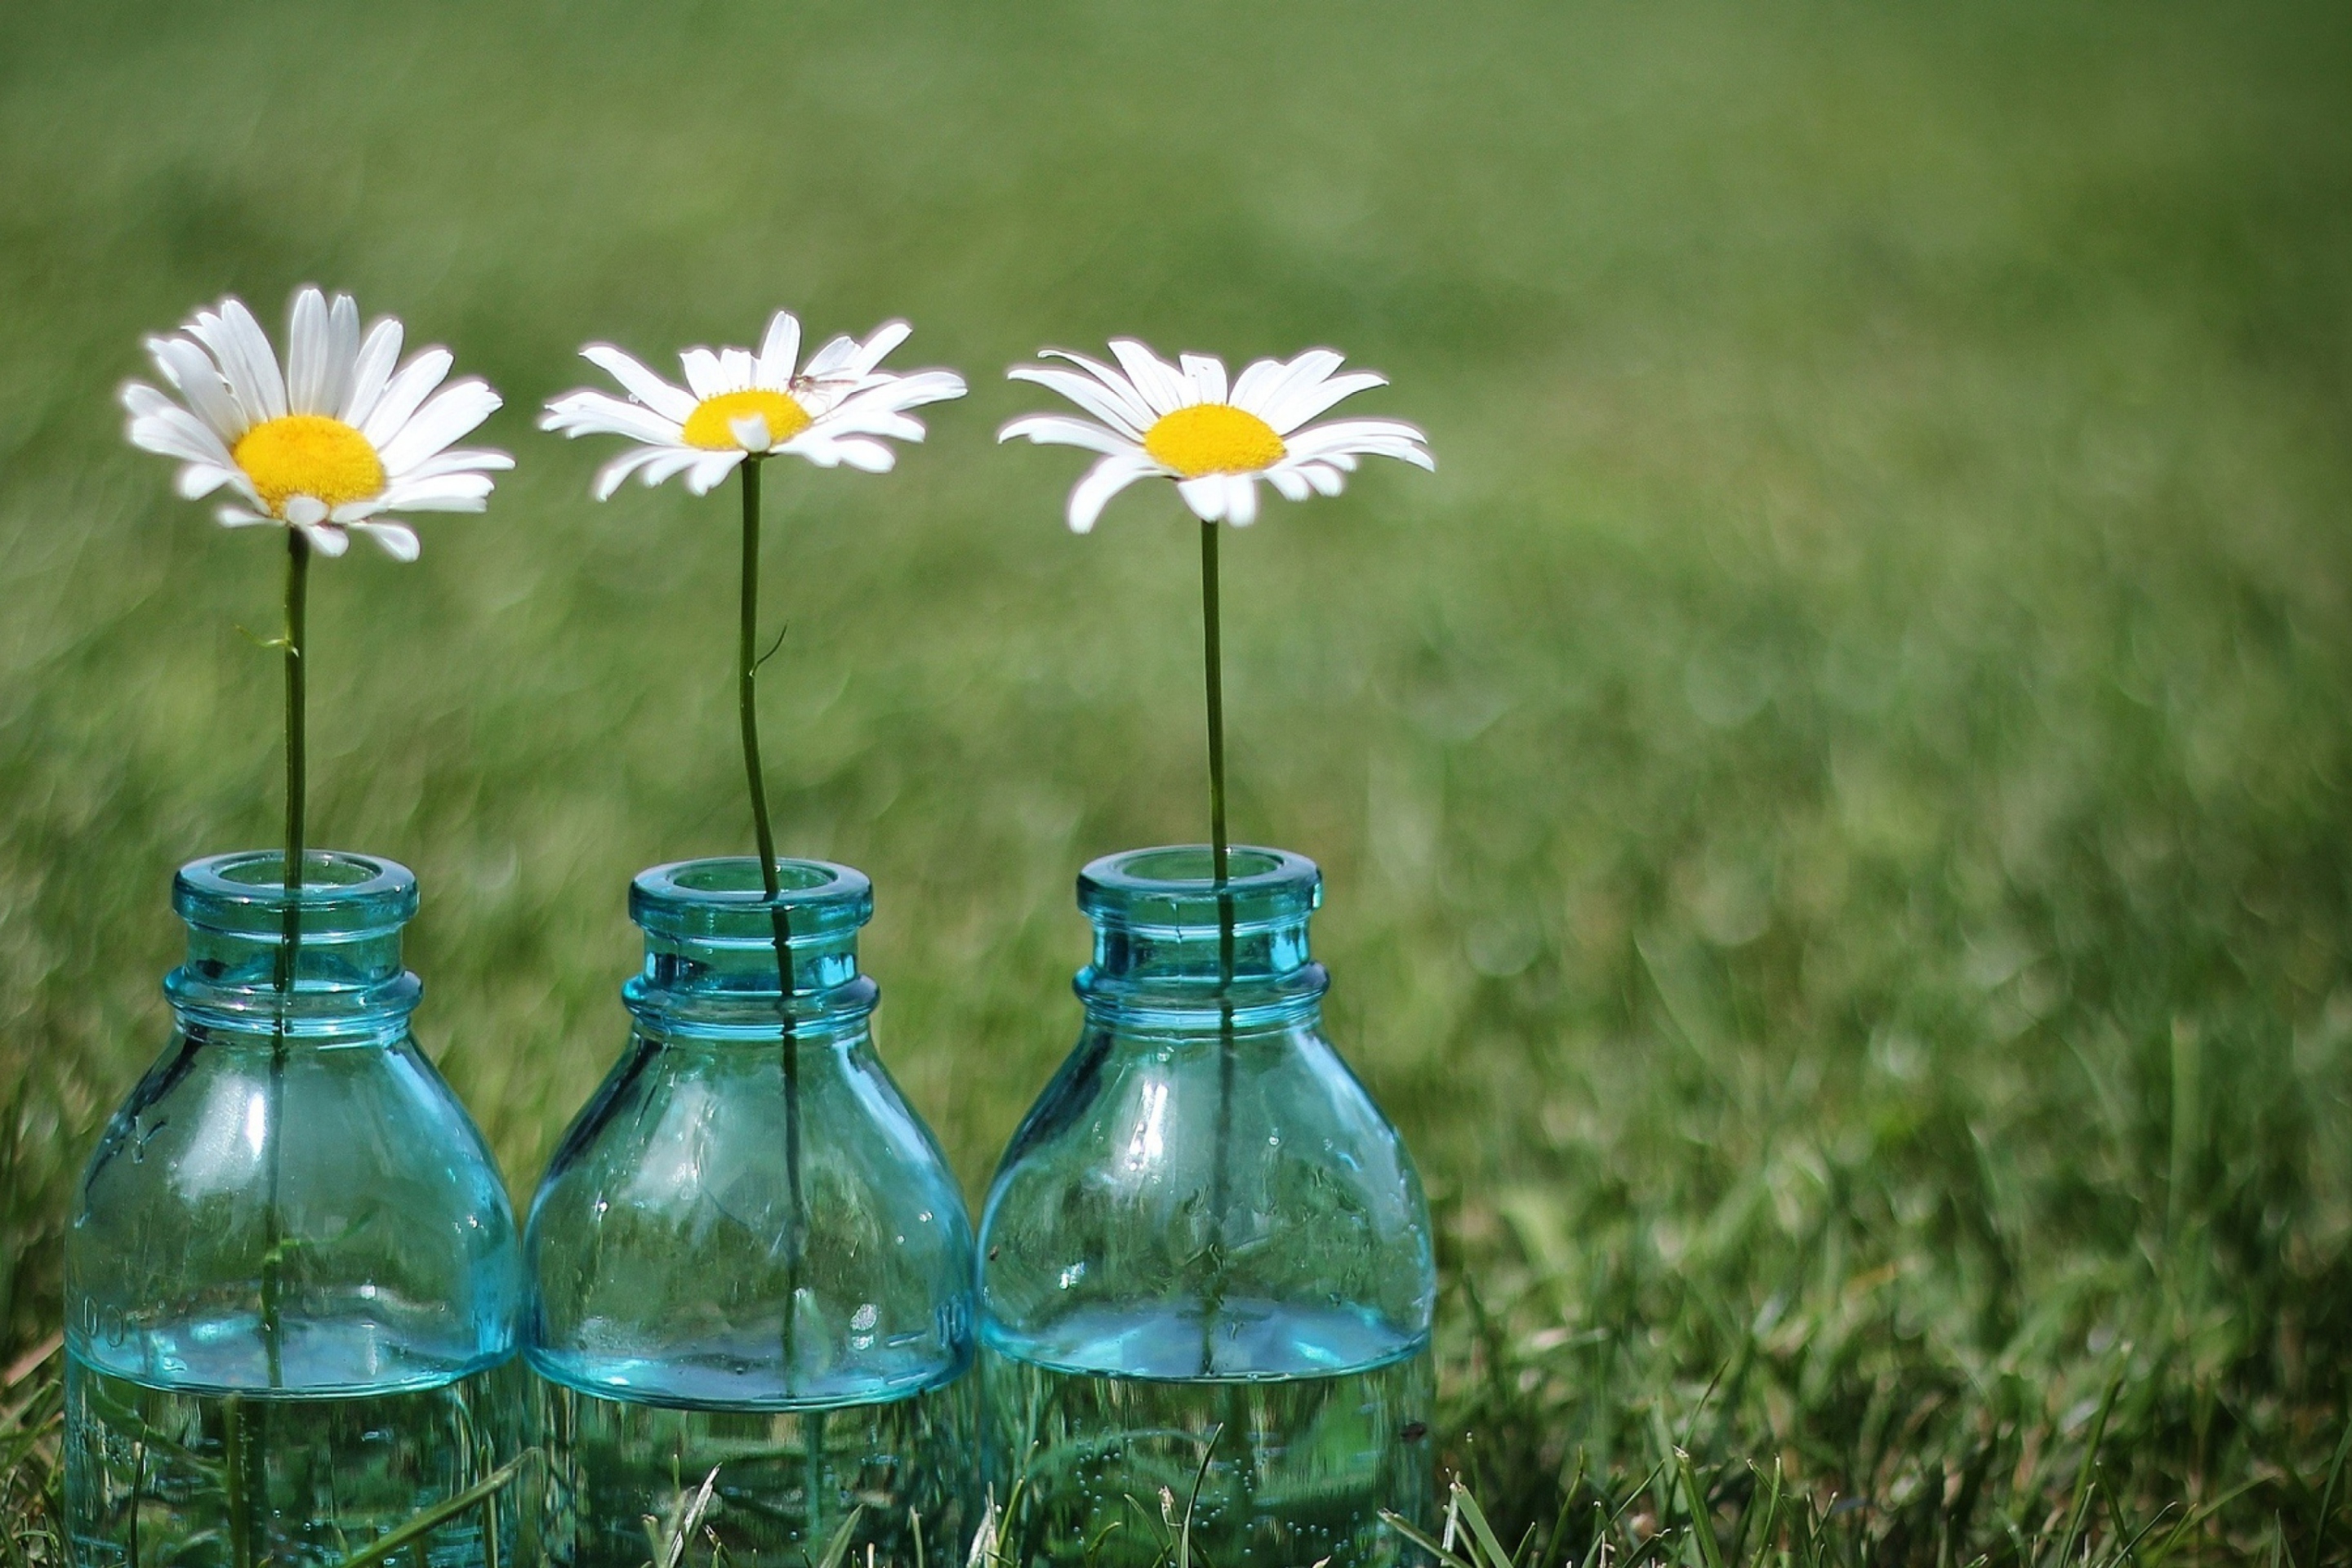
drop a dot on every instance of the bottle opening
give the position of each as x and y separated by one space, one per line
723 900
1174 889
344 896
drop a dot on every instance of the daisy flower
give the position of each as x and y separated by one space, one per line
1186 425
335 443
737 405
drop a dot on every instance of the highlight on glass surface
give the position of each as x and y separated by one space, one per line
841 407
335 443
1184 421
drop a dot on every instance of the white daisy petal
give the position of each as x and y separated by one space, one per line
609 476
326 539
1273 393
1102 482
1140 412
735 369
453 411
306 355
1241 499
377 356
342 354
241 517
674 404
1061 430
1326 479
458 460
865 454
709 469
597 413
875 422
1207 375
669 462
1255 380
1298 403
169 430
1372 437
877 346
1205 496
246 360
779 351
1290 482
1088 395
399 540
409 388
197 480
444 492
750 432
195 377
832 359
1162 385
703 378
901 392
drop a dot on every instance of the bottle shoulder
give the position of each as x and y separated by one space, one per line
1253 1190
348 1176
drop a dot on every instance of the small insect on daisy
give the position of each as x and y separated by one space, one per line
335 443
1182 422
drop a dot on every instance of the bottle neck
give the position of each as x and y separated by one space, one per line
319 962
724 962
1177 952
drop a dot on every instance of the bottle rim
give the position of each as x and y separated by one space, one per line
342 893
1172 887
722 897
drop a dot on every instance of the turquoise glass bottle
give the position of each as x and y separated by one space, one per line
292 1280
1206 1281
751 1266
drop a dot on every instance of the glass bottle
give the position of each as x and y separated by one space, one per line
752 1266
1207 1283
291 1281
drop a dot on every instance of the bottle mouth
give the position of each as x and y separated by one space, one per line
723 900
343 895
1174 889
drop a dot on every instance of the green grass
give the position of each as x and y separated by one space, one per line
1836 796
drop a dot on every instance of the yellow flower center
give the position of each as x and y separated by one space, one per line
1213 438
309 455
711 424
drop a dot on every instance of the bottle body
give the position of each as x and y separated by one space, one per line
291 1279
751 1265
1206 1260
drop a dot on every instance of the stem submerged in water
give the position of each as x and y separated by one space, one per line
747 674
1219 1192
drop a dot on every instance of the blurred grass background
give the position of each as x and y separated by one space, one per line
1834 797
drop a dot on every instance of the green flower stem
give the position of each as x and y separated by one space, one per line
1212 669
747 675
298 601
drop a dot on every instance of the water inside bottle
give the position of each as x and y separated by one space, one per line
204 1478
1288 1464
